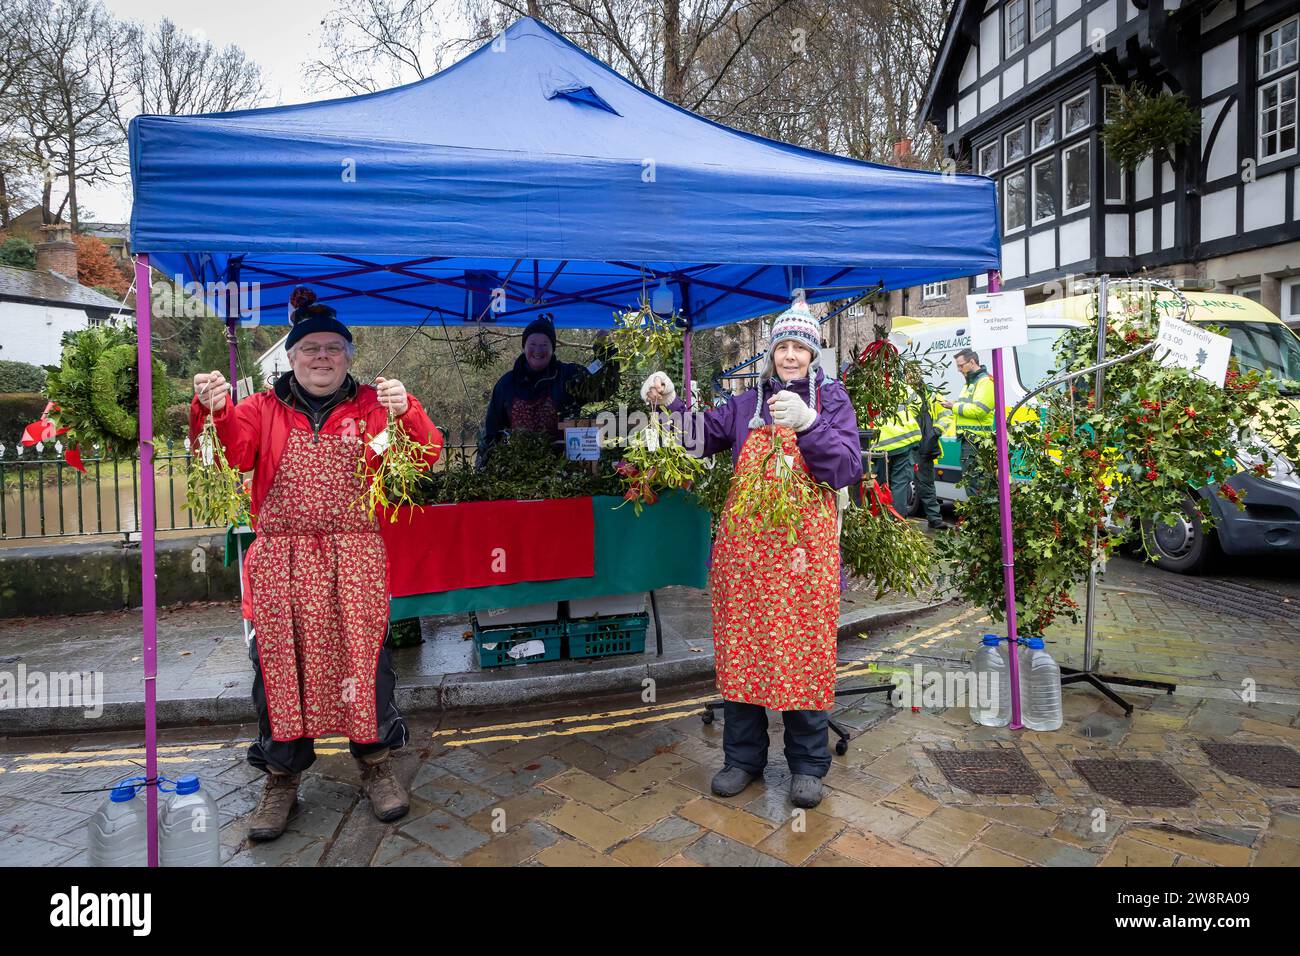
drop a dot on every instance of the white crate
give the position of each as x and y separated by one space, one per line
525 614
607 605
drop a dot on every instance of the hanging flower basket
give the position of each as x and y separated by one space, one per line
1143 122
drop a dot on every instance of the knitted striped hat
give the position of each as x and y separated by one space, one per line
795 324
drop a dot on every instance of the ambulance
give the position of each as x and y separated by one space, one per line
1271 522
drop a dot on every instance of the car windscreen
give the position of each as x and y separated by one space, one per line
1267 347
1037 358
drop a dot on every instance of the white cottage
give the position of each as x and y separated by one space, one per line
38 305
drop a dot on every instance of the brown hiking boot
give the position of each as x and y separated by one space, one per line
388 798
279 799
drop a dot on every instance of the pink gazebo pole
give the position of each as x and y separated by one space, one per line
148 589
686 365
1004 504
232 343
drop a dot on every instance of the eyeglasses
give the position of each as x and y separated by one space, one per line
333 351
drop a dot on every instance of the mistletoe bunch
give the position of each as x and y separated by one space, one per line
775 495
879 545
214 489
393 479
655 459
644 340
876 382
478 351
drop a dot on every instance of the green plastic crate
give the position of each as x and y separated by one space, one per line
505 638
607 636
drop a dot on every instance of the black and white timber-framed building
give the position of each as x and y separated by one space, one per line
1021 89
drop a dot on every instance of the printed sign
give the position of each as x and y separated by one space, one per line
582 444
997 320
1182 345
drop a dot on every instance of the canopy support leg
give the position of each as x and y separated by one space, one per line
1004 504
148 588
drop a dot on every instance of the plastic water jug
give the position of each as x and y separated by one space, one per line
992 683
189 827
1040 687
117 830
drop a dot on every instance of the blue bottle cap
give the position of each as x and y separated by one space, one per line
187 784
122 793
991 640
1035 643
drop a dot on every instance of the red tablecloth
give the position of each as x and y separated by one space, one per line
484 543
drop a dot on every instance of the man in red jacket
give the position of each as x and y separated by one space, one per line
318 572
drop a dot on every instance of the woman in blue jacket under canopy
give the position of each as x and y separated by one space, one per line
541 391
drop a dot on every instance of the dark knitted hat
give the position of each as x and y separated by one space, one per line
311 316
542 325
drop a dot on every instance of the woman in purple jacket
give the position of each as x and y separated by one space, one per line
776 604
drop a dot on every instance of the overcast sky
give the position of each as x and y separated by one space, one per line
280 35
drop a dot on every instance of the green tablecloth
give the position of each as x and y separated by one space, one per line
667 544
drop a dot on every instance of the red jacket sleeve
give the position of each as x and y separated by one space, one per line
416 423
238 427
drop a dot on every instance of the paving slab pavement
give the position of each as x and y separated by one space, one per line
205 677
621 781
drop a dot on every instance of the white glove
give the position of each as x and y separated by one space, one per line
658 390
790 410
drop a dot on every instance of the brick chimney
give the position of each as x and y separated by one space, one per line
57 253
902 149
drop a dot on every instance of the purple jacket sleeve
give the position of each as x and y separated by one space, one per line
831 448
715 428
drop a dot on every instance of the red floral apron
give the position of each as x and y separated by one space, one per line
318 577
776 606
535 415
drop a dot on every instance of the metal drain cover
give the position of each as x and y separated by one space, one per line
1136 783
1270 765
988 771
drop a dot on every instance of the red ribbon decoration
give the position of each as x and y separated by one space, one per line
43 430
879 496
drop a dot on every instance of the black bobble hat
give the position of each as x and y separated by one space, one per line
311 316
542 325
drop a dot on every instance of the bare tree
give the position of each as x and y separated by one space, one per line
64 98
374 44
657 43
172 73
13 62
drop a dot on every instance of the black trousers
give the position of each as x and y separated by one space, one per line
295 756
970 472
807 743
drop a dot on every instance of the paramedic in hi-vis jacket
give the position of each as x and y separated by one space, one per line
972 414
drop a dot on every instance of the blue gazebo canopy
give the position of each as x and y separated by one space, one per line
532 167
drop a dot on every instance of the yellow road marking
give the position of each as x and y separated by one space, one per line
570 731
139 749
118 751
648 708
86 764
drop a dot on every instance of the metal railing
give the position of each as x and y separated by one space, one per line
42 496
